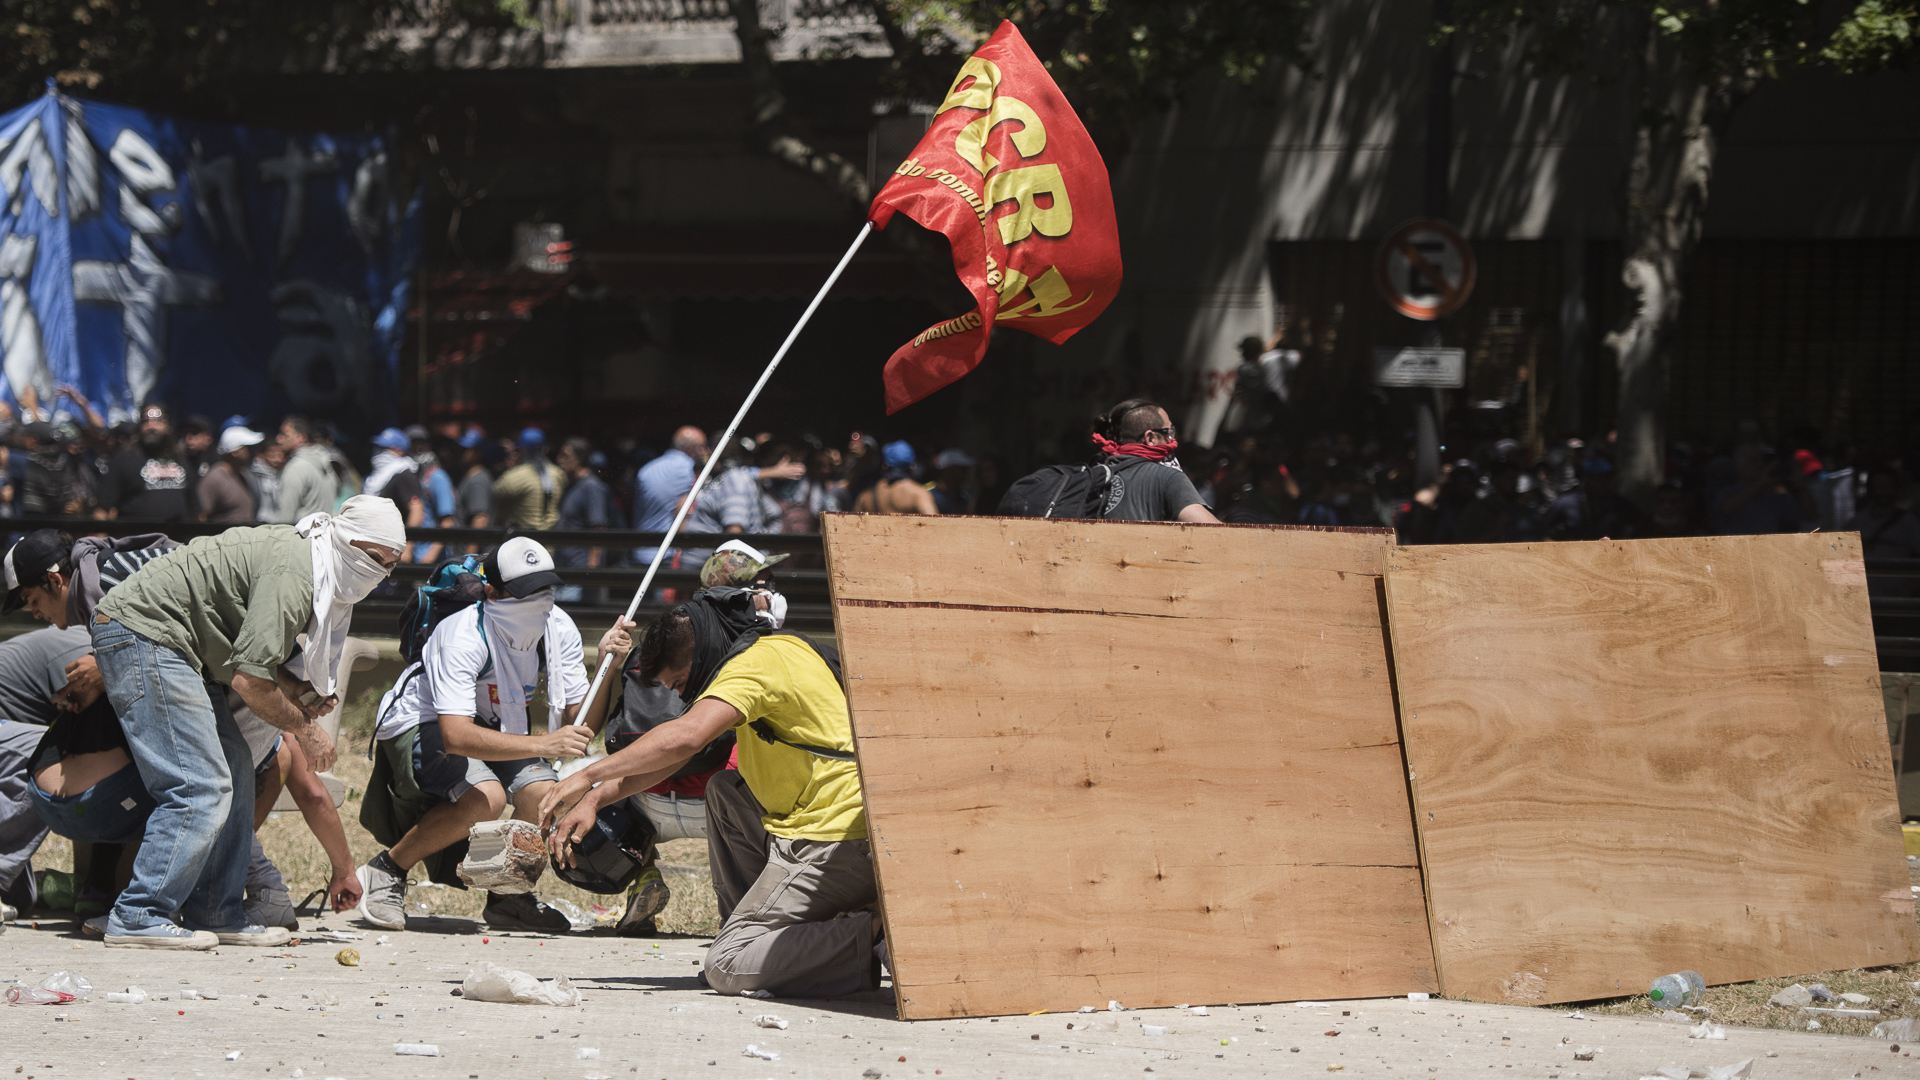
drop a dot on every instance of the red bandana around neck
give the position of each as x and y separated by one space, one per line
1133 449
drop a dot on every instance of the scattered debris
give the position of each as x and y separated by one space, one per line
762 995
416 1050
1793 997
1153 1029
1199 1010
490 982
1820 992
1813 1025
753 1051
1114 1006
1706 1030
1852 1014
1419 997
347 958
1856 999
587 1053
1585 1053
132 995
768 1020
233 1055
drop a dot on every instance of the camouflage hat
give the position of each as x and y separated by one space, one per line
735 564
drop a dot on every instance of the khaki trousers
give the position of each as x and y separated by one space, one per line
782 901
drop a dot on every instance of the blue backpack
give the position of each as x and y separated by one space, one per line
454 585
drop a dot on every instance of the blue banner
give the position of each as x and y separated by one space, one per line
216 268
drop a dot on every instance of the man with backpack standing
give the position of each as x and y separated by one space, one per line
454 732
1136 477
786 832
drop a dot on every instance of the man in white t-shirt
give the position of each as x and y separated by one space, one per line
459 717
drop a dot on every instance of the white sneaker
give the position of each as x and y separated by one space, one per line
160 936
254 934
383 893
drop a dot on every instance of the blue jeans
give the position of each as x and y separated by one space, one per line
189 752
113 811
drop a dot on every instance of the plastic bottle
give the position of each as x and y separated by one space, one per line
67 982
33 995
1680 988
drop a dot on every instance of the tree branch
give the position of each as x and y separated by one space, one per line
768 128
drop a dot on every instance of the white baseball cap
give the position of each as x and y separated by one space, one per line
237 436
521 566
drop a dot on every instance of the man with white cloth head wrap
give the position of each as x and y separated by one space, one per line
343 574
231 609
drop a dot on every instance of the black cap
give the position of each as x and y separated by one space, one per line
520 566
28 561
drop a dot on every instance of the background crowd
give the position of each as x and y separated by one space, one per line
1487 484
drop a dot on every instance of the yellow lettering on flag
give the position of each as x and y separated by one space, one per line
1026 186
1029 140
978 93
1049 294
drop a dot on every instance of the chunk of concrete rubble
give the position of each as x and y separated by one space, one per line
1793 997
1856 999
1706 1030
1585 1053
1905 1029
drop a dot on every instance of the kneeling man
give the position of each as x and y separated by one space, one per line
787 832
456 722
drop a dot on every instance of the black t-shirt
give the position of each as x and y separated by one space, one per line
1145 490
404 489
148 488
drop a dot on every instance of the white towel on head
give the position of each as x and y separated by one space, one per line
343 575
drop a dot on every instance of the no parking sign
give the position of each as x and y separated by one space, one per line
1425 269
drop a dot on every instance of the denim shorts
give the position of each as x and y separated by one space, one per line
113 811
450 776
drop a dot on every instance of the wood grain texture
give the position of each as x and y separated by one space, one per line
1142 762
1635 757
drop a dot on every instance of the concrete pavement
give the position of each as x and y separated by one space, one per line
647 1015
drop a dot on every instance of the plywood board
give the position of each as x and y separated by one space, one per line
1151 763
1631 758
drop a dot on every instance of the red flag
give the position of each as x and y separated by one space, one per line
1008 173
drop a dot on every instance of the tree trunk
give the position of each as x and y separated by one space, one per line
1677 135
768 130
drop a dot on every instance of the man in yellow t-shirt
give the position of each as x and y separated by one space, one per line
787 832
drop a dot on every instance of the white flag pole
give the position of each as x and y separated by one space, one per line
600 675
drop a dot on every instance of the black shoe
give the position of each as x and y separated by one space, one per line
521 911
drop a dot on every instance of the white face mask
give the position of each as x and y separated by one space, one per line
356 573
520 622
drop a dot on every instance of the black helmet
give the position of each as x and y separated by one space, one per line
610 856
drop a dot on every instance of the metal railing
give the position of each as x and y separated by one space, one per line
803 579
605 589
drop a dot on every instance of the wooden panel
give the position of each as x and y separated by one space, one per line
1142 762
1635 757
